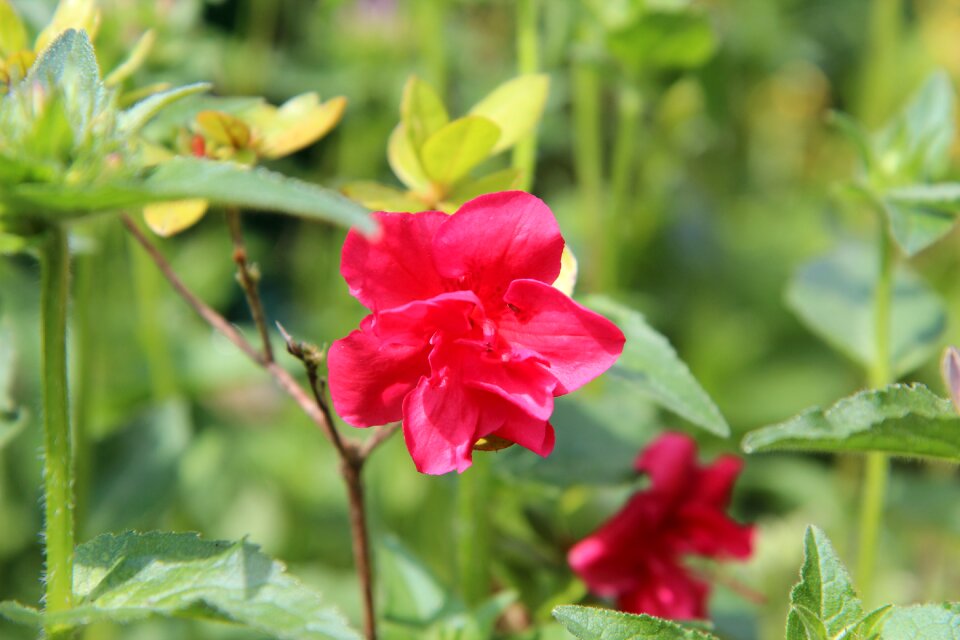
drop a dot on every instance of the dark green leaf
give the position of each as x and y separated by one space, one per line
12 418
899 419
590 623
824 603
653 368
133 576
834 296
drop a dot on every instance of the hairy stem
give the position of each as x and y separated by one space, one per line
352 454
876 472
528 61
249 277
58 454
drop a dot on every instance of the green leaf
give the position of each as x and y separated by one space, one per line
450 153
916 143
421 111
502 180
134 118
21 614
651 365
591 623
899 419
515 107
664 40
189 178
379 197
916 226
824 595
856 135
132 576
411 595
404 160
923 622
70 54
834 296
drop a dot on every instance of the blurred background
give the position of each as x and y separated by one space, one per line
693 172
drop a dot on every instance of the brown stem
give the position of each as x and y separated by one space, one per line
351 470
249 276
352 454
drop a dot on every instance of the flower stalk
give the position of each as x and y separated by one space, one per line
58 454
877 471
528 61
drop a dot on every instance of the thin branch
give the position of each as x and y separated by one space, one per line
379 437
249 277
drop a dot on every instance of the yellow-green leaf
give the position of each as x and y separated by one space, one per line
379 197
134 61
502 180
404 161
567 279
70 14
170 218
450 153
515 107
224 129
13 35
298 123
422 111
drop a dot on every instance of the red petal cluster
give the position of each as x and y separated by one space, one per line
637 556
466 338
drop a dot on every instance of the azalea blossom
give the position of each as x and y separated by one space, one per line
466 339
637 556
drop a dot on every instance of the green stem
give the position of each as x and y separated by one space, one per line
474 530
428 16
149 288
622 177
879 79
58 462
876 473
528 61
588 162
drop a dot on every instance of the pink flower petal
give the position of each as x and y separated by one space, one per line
416 322
578 343
398 267
526 431
497 238
439 425
670 593
521 381
671 463
369 379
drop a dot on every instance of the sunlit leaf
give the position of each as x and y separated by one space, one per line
81 15
136 58
170 218
378 197
297 123
903 420
824 602
13 35
652 367
450 153
593 623
404 161
834 296
134 118
515 107
133 576
421 111
503 180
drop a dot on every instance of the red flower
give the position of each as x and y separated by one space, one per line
467 338
637 555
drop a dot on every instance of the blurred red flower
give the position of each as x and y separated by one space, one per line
637 556
466 339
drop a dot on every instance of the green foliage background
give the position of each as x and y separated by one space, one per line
733 187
